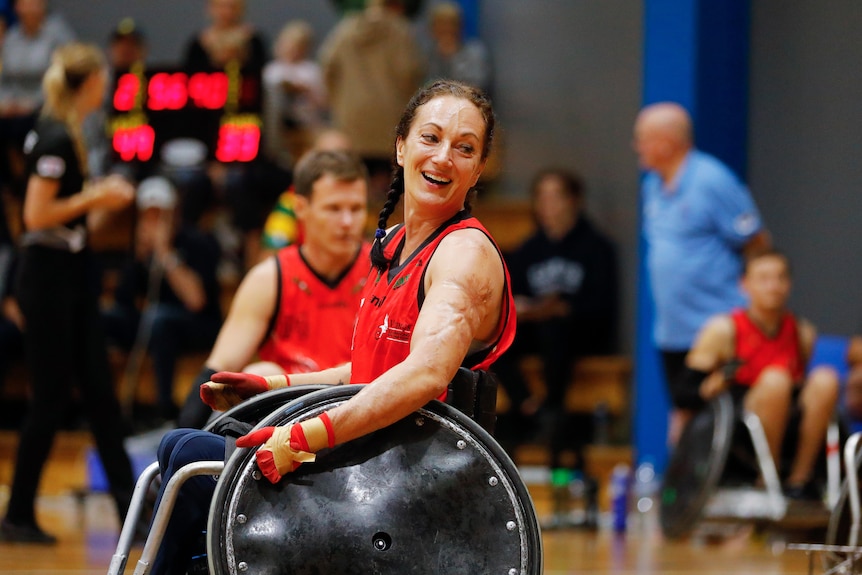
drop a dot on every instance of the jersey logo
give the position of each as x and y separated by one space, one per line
358 287
51 167
30 141
401 281
394 331
383 328
302 286
745 224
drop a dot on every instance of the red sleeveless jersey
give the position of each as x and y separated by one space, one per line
391 302
757 351
313 319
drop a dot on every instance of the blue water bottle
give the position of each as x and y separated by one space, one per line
620 479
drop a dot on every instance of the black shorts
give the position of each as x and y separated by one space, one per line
738 392
680 396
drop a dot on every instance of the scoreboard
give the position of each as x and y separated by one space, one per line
221 108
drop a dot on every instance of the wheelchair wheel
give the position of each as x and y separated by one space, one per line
432 493
840 521
696 467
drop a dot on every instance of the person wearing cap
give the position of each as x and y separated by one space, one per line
128 45
126 48
172 268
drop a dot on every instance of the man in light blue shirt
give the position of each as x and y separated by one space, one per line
699 220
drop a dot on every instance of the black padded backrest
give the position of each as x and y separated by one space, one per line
474 393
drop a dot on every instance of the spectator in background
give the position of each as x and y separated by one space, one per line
173 272
64 341
699 220
371 65
127 47
564 279
294 103
409 8
451 56
230 44
227 39
26 54
282 227
295 310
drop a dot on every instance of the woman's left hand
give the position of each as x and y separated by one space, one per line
285 448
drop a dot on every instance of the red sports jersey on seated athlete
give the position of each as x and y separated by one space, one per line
313 320
757 351
391 302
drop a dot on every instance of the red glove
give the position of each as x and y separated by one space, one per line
227 389
286 448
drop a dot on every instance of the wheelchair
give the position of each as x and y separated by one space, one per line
842 550
713 472
432 493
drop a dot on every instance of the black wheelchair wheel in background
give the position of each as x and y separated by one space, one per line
838 531
432 493
696 467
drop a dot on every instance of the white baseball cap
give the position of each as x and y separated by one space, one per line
156 192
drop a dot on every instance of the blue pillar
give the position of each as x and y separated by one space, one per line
470 11
696 54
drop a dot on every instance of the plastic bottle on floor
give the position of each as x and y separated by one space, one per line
620 481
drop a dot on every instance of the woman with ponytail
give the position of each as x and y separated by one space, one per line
64 342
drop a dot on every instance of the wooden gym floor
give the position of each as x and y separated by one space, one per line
87 529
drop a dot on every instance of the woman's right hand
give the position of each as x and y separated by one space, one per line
113 193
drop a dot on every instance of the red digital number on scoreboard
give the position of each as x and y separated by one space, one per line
237 143
134 143
208 91
167 91
128 86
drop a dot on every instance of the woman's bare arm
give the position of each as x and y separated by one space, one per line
464 297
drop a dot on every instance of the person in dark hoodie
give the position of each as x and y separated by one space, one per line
564 278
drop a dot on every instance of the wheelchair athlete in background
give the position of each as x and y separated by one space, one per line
759 354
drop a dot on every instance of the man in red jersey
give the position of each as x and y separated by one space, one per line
296 309
771 347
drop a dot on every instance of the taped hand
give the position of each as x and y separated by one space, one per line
286 448
227 388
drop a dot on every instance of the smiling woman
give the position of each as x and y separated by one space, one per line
437 299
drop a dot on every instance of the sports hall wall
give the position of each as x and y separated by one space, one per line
568 86
804 149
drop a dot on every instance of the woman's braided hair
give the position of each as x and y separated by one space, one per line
396 187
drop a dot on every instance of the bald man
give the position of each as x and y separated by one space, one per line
699 220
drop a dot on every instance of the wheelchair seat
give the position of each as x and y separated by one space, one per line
712 474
